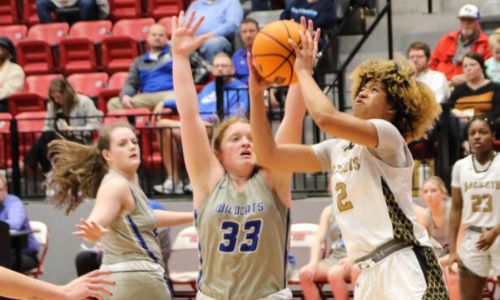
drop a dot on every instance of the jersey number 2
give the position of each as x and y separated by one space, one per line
231 229
342 203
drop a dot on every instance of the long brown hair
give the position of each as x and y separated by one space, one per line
77 170
61 85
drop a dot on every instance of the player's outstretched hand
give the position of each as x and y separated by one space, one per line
90 231
89 285
305 54
184 41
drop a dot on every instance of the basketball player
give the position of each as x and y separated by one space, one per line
241 211
371 171
121 216
476 204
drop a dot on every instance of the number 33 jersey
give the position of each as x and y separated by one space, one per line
243 241
371 190
480 191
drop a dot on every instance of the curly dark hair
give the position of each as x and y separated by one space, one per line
415 104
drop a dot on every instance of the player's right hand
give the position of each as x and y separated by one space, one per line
454 262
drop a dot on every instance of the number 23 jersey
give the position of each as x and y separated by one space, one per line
371 190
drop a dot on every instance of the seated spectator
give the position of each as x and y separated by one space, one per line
12 212
452 47
321 12
478 95
235 103
493 63
248 31
69 115
419 54
89 9
150 77
336 268
11 74
222 18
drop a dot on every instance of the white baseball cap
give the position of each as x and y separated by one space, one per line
469 11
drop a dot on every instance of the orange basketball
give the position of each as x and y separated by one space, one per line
273 56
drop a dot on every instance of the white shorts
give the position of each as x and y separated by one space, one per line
483 263
284 294
401 276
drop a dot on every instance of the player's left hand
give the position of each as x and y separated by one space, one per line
305 55
90 230
486 239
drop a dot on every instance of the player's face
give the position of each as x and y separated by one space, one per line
480 137
237 151
472 69
372 102
248 31
431 193
123 153
418 58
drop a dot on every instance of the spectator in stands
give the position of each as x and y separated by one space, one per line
419 54
478 95
321 12
12 212
150 77
493 63
11 74
222 18
248 31
452 47
89 9
335 269
235 103
69 115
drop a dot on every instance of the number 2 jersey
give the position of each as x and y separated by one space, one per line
371 190
243 240
480 192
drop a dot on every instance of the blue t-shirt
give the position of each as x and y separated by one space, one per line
241 65
13 213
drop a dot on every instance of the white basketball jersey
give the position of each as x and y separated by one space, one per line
371 190
480 192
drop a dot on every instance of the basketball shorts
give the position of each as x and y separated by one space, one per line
284 294
482 263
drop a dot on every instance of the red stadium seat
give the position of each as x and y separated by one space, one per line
8 12
39 84
115 84
5 146
137 29
167 23
93 30
14 32
30 17
23 102
118 53
77 55
163 8
125 9
29 126
35 57
88 83
52 33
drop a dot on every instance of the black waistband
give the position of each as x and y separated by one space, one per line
479 229
384 250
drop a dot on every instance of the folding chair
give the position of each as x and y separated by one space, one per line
41 233
186 242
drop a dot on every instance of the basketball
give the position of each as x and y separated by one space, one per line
273 56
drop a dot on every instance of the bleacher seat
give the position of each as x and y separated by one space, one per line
14 32
39 84
93 30
77 55
125 9
30 17
115 84
8 12
88 83
35 56
163 8
118 53
52 33
137 29
24 102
